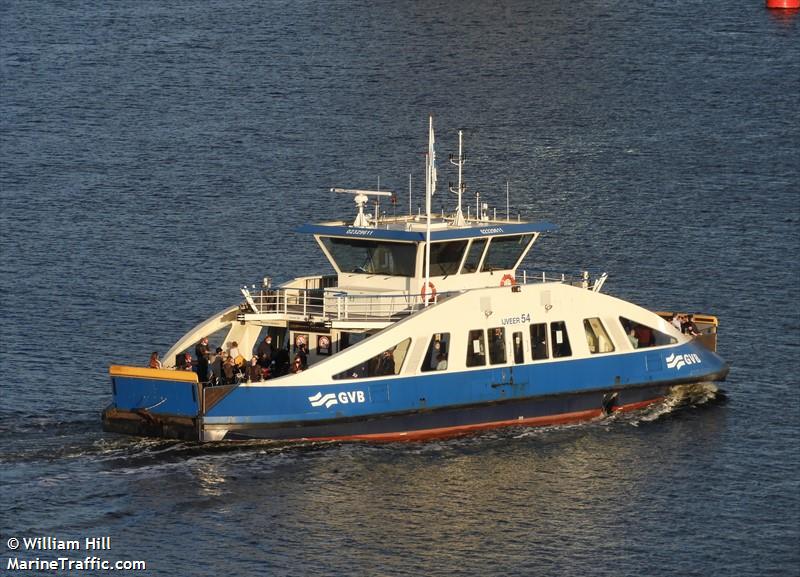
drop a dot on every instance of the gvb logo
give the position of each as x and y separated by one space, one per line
677 362
330 399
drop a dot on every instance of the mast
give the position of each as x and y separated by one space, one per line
430 187
459 217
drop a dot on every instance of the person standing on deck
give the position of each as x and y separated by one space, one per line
253 372
201 352
265 352
302 352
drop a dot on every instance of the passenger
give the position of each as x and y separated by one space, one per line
441 362
229 370
644 335
632 338
187 362
239 372
154 362
675 321
434 354
497 348
254 371
302 352
234 353
265 352
215 362
689 327
297 365
201 352
386 364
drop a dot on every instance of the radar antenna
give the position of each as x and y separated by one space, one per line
361 198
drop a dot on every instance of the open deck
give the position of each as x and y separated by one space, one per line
319 301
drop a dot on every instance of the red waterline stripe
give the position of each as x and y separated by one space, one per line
445 432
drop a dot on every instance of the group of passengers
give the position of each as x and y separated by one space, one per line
222 367
685 324
642 336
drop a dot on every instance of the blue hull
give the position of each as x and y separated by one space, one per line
429 405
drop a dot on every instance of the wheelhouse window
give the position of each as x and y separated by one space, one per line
438 350
474 255
366 256
476 349
505 251
597 337
387 363
539 341
560 340
497 346
641 336
446 257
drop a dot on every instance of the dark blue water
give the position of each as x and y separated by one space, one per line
155 156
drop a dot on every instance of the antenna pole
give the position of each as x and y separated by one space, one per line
459 219
508 206
430 184
410 210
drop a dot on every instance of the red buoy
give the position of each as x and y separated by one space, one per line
783 3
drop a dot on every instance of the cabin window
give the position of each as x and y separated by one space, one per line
641 336
505 251
365 256
446 256
560 340
519 356
476 349
438 350
474 255
539 341
597 337
385 364
497 346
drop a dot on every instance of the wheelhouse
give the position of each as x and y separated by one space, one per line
391 255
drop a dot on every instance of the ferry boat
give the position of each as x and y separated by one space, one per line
428 328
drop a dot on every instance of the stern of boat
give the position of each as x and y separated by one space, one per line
154 403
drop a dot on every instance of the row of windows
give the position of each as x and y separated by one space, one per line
489 346
398 258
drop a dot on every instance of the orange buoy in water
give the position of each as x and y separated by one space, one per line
783 3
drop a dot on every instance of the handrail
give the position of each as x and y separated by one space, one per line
581 279
337 304
334 304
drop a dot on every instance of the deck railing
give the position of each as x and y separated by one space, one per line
332 304
582 279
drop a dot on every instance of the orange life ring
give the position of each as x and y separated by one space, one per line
432 296
508 277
